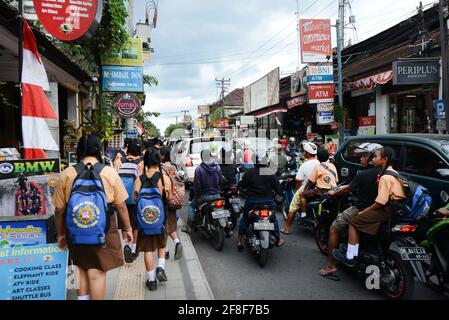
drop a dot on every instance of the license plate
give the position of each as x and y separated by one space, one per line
413 253
218 214
234 201
263 226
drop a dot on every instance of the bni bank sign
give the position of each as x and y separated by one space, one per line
122 79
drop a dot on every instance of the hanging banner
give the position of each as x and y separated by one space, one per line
321 93
296 101
33 273
320 74
127 105
122 79
371 81
72 20
316 41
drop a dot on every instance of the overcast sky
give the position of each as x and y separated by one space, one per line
198 40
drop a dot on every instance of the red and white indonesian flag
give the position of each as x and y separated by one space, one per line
35 105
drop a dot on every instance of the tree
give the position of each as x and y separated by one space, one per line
150 128
172 128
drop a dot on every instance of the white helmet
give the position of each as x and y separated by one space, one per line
292 139
310 147
368 147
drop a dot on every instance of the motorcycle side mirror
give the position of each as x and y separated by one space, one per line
444 196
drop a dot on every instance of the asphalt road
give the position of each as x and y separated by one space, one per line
291 271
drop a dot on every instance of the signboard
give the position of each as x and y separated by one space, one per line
9 154
22 233
316 41
416 71
127 105
441 125
262 93
296 101
322 107
199 123
69 20
130 55
299 82
15 168
320 74
33 273
132 134
367 121
203 109
122 79
222 123
325 117
439 111
246 120
321 93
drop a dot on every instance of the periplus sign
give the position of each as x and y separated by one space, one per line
12 169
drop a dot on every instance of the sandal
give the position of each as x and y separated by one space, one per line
329 274
284 232
280 243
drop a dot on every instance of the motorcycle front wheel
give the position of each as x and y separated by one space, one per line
218 236
262 257
402 285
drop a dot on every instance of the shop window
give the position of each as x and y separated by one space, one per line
423 162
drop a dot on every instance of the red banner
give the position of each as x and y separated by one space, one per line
371 81
296 101
316 41
321 93
69 20
367 121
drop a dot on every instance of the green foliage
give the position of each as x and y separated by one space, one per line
150 128
172 128
102 120
150 80
338 114
216 114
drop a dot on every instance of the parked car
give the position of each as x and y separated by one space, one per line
189 153
422 158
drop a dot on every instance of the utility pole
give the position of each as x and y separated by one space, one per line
298 34
223 84
130 17
444 56
340 45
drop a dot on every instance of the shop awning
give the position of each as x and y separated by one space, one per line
297 101
268 112
371 81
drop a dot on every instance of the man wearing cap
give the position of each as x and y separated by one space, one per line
319 142
364 191
304 172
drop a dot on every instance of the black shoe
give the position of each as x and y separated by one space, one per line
135 255
341 257
151 285
178 251
167 255
187 229
229 234
128 254
240 247
160 275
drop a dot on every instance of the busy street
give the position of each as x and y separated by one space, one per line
202 152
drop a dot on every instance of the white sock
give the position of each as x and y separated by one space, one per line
303 214
85 297
350 252
133 247
161 263
176 241
356 250
151 275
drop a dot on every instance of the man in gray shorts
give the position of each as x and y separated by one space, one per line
364 190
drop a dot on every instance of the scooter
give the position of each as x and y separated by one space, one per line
437 248
232 204
287 184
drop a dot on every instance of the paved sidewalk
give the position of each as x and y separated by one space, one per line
186 278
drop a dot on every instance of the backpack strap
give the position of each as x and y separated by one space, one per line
396 175
329 169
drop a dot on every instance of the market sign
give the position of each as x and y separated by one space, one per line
316 41
122 79
320 74
129 55
325 117
69 20
127 105
416 71
15 168
321 93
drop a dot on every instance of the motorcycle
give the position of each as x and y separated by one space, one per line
259 233
393 257
287 183
212 220
232 204
437 247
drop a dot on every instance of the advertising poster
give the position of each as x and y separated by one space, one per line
15 168
325 117
33 273
130 55
122 79
298 83
335 139
316 41
22 233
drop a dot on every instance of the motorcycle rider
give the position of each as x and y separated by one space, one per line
292 149
261 188
370 219
304 172
206 184
228 167
364 191
319 141
278 159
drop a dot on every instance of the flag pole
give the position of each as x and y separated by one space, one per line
20 68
